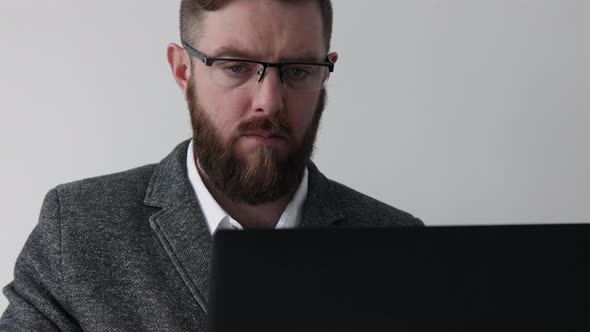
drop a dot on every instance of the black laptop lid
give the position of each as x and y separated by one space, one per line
477 278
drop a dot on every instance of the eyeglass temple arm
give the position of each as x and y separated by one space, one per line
330 64
196 53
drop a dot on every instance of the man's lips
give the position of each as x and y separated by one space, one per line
266 138
266 134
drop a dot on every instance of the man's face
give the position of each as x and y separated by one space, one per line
252 143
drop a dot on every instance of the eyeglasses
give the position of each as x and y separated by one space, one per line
240 74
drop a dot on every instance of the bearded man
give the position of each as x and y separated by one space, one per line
131 251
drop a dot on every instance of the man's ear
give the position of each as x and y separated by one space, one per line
180 66
333 57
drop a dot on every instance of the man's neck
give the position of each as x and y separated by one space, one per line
264 215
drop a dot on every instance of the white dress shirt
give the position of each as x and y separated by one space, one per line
217 218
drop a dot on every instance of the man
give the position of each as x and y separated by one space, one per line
131 251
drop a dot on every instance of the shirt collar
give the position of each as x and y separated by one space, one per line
214 214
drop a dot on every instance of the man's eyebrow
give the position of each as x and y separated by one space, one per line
232 52
237 53
303 57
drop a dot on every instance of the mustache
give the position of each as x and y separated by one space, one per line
275 124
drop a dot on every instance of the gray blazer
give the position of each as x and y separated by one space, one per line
131 251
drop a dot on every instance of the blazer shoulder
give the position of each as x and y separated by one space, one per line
136 176
116 187
370 211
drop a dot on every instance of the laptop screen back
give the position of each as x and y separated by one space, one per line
475 278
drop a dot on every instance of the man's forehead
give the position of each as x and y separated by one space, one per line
265 30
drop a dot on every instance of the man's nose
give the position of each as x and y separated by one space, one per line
270 92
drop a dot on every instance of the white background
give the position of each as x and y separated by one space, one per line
458 111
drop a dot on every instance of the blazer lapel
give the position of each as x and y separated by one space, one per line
321 207
180 224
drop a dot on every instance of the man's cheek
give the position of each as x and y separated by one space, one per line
300 125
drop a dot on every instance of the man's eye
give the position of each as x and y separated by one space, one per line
298 72
237 68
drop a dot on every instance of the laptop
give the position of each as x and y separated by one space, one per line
473 278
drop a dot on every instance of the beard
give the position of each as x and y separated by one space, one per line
262 175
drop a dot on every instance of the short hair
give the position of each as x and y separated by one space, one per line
192 12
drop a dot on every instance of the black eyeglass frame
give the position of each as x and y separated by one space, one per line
208 61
